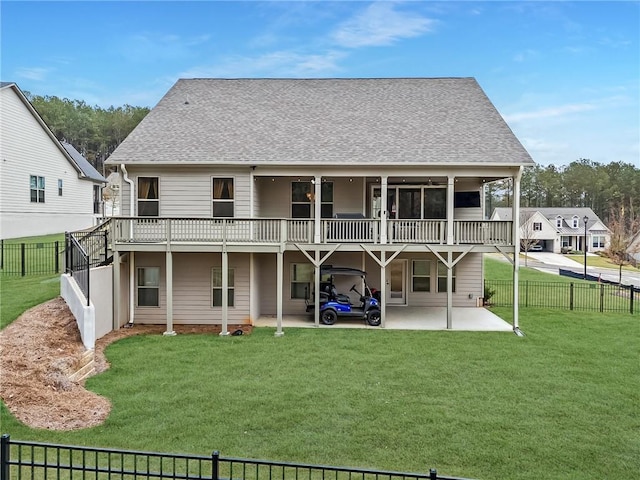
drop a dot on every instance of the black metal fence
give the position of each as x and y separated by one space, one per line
77 264
41 258
32 460
585 296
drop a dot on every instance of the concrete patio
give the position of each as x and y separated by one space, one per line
407 318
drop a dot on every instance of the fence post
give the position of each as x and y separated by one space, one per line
66 252
601 297
4 456
571 296
57 257
22 260
526 293
215 468
433 474
631 288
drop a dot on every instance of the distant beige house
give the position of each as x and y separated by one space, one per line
234 192
560 229
46 186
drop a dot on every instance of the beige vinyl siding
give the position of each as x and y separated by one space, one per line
348 195
188 192
192 289
27 149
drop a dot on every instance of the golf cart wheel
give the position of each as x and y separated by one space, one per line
373 318
328 317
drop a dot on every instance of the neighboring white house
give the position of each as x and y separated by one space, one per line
235 192
559 229
45 186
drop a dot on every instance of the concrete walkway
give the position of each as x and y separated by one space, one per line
472 319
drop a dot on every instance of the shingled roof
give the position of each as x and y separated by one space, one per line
329 121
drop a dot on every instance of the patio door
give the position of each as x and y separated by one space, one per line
397 283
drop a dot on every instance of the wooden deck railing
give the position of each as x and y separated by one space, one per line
274 231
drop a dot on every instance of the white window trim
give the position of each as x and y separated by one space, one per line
438 277
428 275
292 281
224 200
230 285
138 287
37 189
138 199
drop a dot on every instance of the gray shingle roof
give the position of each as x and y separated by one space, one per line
83 164
329 121
550 213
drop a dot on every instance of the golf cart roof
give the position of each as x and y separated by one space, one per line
342 271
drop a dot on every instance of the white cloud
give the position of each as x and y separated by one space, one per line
274 64
38 74
380 24
558 111
145 47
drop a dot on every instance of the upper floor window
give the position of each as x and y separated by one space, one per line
576 221
559 222
435 203
223 197
303 197
537 226
37 189
97 200
216 286
148 199
59 187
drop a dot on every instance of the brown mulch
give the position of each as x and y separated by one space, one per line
38 352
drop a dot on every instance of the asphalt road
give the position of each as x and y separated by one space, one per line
553 262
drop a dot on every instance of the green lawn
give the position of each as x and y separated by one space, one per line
18 294
562 402
598 261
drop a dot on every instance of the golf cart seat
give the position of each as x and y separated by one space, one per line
339 297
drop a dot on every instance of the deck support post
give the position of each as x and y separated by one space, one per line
117 285
225 291
515 216
279 292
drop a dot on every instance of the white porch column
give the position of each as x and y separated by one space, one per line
383 287
383 211
117 282
450 200
316 289
279 292
169 280
449 290
317 197
225 293
515 215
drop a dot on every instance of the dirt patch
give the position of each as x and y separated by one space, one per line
41 348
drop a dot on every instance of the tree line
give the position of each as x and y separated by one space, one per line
605 188
94 131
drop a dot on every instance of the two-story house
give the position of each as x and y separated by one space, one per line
46 186
559 229
234 192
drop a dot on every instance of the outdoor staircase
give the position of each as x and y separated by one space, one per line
84 367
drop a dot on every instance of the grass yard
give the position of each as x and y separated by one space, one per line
18 294
562 402
598 261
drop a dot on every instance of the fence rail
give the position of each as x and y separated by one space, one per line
585 296
29 460
40 258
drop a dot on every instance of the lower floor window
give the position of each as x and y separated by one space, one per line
421 276
598 241
442 278
301 277
148 284
216 282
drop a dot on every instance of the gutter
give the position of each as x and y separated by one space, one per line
132 276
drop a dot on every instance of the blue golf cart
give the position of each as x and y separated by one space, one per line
334 305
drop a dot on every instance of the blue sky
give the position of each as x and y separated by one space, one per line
565 75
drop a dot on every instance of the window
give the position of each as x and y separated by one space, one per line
435 203
302 197
537 226
59 187
301 277
216 285
598 241
97 203
149 286
442 278
37 189
421 276
576 222
409 203
559 222
148 200
223 196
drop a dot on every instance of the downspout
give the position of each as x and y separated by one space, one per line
132 271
